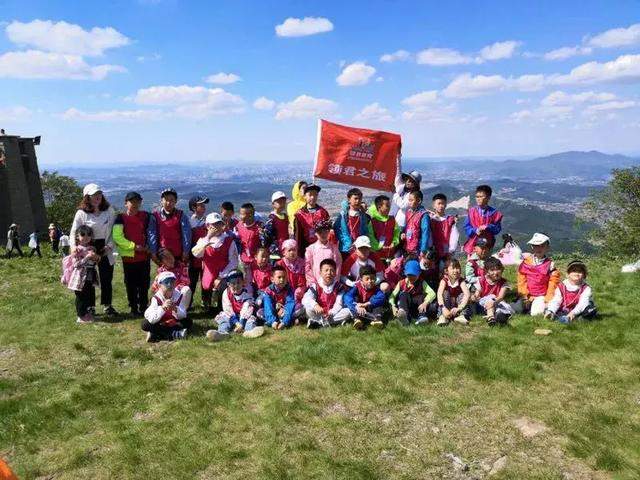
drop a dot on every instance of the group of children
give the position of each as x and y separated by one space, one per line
298 267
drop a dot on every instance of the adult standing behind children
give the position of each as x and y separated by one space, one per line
169 229
96 213
130 236
405 184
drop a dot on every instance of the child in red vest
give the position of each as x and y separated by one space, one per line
276 228
360 257
166 317
384 233
322 249
169 229
482 220
179 270
295 268
365 300
489 292
237 315
572 298
279 308
453 295
307 217
198 208
219 256
413 298
537 278
474 268
416 230
249 232
394 272
260 271
444 234
351 222
323 301
130 236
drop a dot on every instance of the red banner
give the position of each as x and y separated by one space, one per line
356 156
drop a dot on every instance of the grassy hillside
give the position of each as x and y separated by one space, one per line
96 402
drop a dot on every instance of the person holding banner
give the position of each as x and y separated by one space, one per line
405 184
306 218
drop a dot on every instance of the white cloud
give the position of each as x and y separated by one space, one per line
466 86
222 78
625 68
499 50
614 105
301 27
33 64
192 102
544 113
426 106
438 57
617 37
421 100
397 56
63 37
15 114
567 52
111 115
373 113
354 74
561 98
305 106
263 103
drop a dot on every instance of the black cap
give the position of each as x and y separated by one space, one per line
168 191
481 242
312 186
132 196
196 199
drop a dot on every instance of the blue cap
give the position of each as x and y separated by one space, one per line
412 267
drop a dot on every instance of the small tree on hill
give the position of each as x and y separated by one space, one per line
616 211
61 197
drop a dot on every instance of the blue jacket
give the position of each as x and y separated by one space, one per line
341 227
269 306
352 297
493 228
425 230
152 232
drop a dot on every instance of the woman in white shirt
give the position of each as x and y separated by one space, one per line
405 183
94 211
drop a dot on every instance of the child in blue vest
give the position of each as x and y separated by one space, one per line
366 301
352 222
416 230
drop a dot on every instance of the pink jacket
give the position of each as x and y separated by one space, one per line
80 266
316 253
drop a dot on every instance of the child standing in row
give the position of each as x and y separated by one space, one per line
276 228
416 231
307 217
482 221
444 234
384 233
351 223
249 232
295 268
83 279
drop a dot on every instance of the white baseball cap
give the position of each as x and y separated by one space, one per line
277 196
362 241
212 218
90 189
166 276
538 239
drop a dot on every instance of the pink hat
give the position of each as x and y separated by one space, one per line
289 244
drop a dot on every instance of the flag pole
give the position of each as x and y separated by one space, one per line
315 160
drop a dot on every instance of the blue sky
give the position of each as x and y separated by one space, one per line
168 80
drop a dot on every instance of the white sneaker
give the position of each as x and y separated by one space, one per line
216 336
631 267
402 317
255 332
86 319
461 319
442 321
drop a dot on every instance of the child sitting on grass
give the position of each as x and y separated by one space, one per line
179 269
453 296
489 292
537 278
323 301
360 257
237 315
412 298
84 277
572 298
278 301
365 300
260 272
166 316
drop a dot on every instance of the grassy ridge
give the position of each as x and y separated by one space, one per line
95 401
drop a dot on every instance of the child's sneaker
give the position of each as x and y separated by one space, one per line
110 311
423 320
402 316
461 319
216 336
358 324
255 332
563 319
179 334
314 325
88 318
150 338
502 318
377 324
491 321
442 321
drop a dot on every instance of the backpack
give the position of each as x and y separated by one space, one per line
67 269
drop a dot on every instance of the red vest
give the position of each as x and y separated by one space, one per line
170 232
135 230
570 299
196 234
415 289
440 234
169 318
413 230
353 224
214 261
249 239
278 297
326 300
363 294
296 278
307 221
487 289
478 271
454 292
393 273
236 305
383 231
476 219
281 228
537 276
261 276
230 225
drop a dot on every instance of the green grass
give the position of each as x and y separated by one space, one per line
96 402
